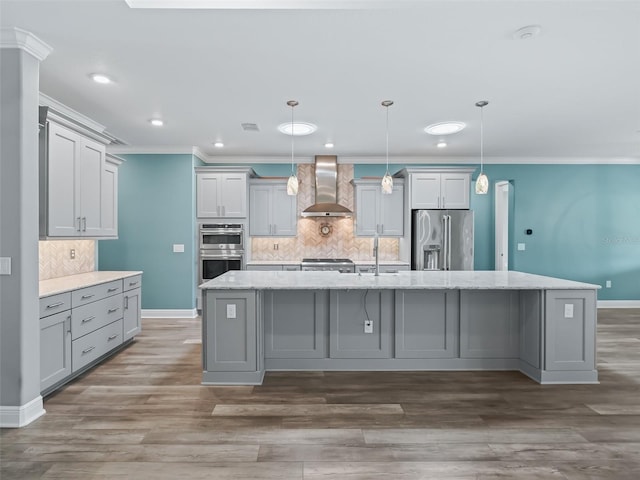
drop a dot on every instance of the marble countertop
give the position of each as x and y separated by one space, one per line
54 286
429 280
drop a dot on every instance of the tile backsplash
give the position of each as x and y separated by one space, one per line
55 257
340 243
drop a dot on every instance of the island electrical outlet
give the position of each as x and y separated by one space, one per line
231 310
368 326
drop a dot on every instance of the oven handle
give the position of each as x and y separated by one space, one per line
223 231
221 256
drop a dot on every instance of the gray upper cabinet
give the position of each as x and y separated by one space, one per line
439 188
78 186
377 212
272 213
221 195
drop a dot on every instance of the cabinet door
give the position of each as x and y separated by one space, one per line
283 212
132 322
55 349
367 216
109 201
230 322
260 210
349 312
207 195
392 213
233 195
425 190
63 175
295 323
455 190
426 332
92 164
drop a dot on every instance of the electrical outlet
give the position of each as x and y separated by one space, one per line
608 284
275 246
5 265
368 326
231 310
568 310
72 253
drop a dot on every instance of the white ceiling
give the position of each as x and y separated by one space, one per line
574 91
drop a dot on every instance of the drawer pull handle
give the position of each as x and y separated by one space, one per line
111 310
109 290
112 337
131 284
87 350
54 305
84 297
88 319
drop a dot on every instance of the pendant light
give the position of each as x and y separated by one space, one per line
292 183
482 182
387 180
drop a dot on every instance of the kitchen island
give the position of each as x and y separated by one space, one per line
254 321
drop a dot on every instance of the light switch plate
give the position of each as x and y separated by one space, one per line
608 284
231 310
5 265
178 248
521 246
568 310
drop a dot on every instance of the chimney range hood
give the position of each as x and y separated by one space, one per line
326 190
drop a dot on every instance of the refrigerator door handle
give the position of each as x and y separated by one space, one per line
445 243
448 242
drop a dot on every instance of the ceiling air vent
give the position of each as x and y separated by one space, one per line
250 127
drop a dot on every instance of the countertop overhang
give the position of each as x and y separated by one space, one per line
407 280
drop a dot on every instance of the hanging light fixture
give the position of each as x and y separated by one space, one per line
482 182
387 180
292 183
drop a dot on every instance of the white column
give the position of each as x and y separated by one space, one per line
20 57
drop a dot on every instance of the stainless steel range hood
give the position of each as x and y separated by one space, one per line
326 205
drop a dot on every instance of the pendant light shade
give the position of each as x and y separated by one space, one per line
482 182
387 180
292 183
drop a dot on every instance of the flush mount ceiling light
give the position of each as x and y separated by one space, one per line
292 183
528 32
156 122
298 128
445 128
441 144
387 181
101 78
482 183
218 144
328 145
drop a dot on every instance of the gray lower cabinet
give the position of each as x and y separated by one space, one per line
570 316
230 331
360 323
92 346
531 311
131 319
489 324
55 348
426 323
295 323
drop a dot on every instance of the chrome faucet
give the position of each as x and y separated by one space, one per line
376 254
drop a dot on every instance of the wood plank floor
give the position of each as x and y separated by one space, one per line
144 415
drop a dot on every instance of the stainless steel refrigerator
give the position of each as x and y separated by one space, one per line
442 240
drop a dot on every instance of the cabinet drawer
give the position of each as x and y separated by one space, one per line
96 292
55 304
132 282
87 318
92 346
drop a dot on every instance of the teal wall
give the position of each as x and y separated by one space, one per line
156 210
585 221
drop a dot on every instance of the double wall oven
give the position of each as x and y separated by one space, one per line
221 249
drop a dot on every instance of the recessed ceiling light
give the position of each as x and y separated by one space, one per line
444 128
525 33
441 144
328 145
218 144
299 128
100 78
156 122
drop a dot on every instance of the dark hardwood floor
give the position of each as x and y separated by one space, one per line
144 415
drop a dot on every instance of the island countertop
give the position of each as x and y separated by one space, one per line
407 280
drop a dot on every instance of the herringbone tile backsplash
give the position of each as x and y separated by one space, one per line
55 259
341 243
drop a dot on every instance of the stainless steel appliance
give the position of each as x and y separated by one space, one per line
343 265
442 240
221 249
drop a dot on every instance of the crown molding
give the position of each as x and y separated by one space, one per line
18 38
150 150
47 101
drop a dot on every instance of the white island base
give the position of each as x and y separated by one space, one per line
259 321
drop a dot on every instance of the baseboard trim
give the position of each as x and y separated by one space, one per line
178 313
16 417
618 303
